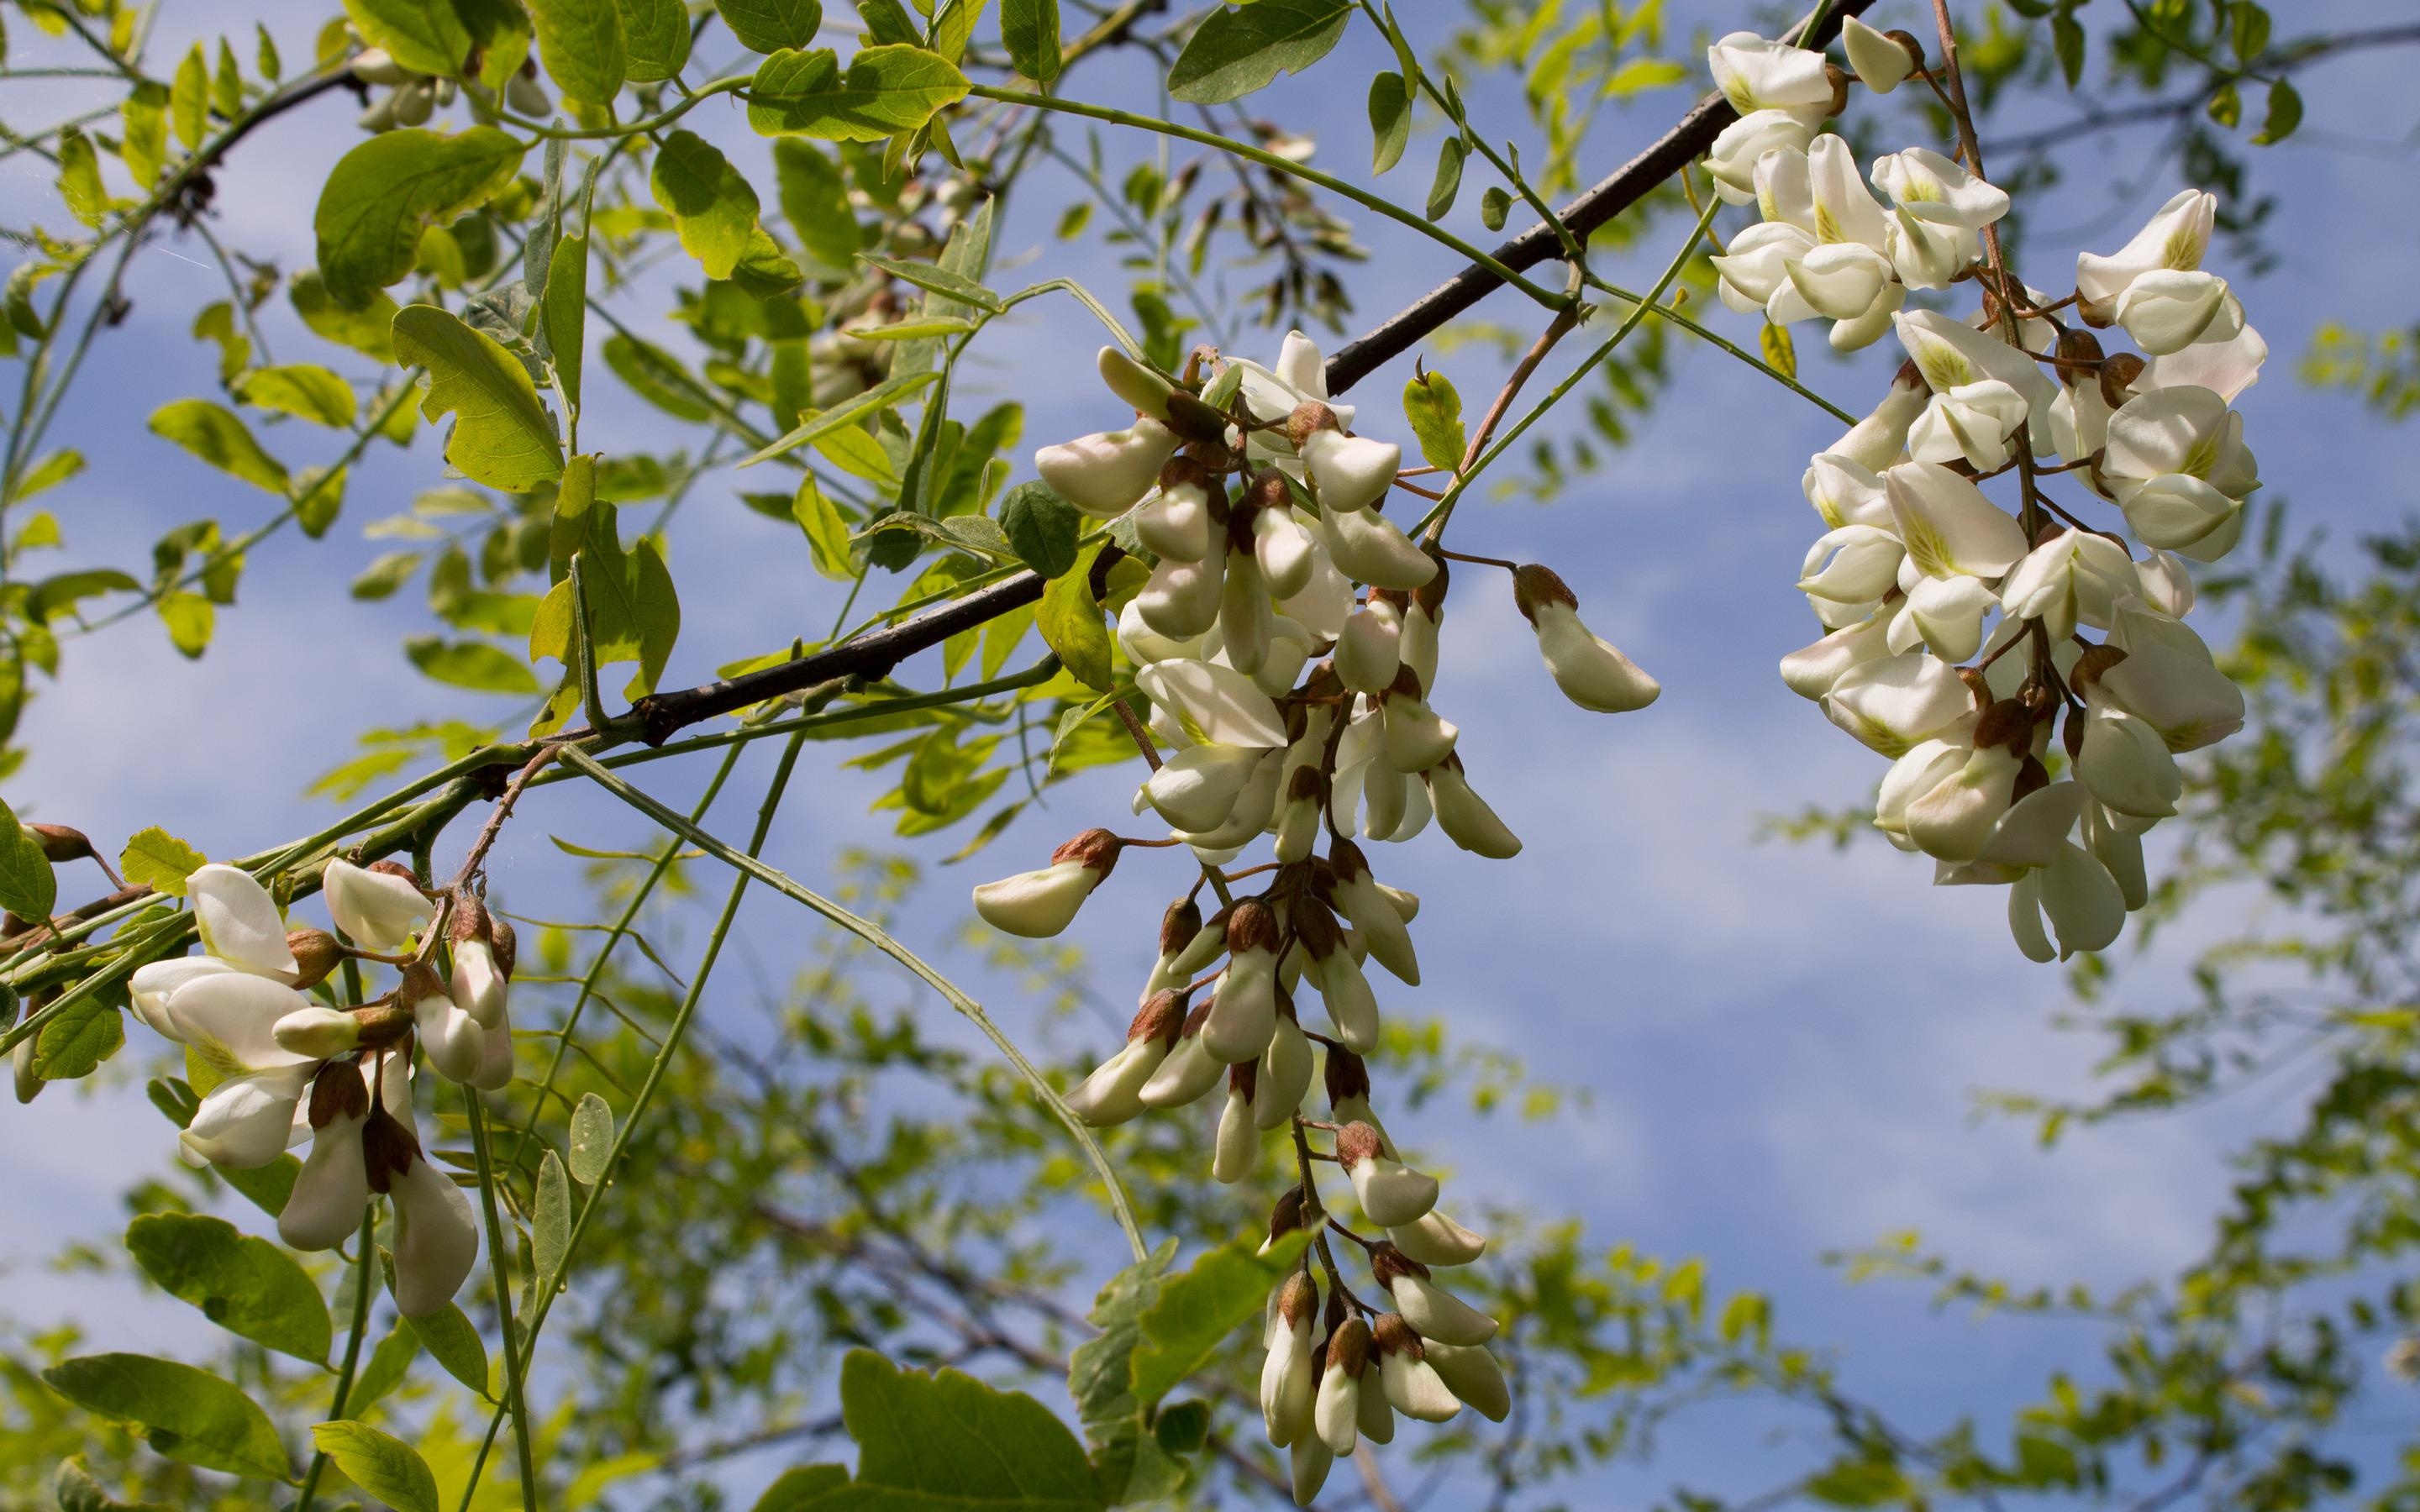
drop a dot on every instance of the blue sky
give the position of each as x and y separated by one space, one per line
1782 1043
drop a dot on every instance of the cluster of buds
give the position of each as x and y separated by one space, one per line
1286 641
409 98
277 1066
1917 558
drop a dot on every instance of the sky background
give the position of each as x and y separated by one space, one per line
1781 1044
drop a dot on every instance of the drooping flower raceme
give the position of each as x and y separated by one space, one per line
1285 644
1960 631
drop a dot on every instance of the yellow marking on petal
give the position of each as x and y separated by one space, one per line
2182 251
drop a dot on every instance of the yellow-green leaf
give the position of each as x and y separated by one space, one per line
383 194
580 43
886 91
303 390
1070 619
502 435
156 859
710 201
380 1465
219 436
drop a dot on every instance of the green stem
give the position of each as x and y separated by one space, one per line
363 1268
516 1399
1666 313
638 128
1276 163
874 934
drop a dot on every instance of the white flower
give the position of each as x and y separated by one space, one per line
2123 763
2227 368
1414 737
1287 555
1352 1007
1365 546
2073 577
1336 1410
1213 702
2176 463
227 1021
1755 73
380 908
1349 472
1038 904
1309 1460
1176 524
1196 788
1948 527
1114 1093
1244 1014
1971 422
318 1033
1283 1074
436 1243
1592 670
1757 265
1893 703
1138 385
1106 473
1875 443
1880 62
1437 1240
333 1186
1741 145
1373 915
1435 1312
1953 818
238 922
1845 210
1840 281
1921 179
1949 355
245 1120
1235 1150
2174 239
2168 310
1190 1071
1853 565
2169 680
1182 599
1810 671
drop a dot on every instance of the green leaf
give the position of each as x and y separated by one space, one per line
218 435
889 394
932 1444
827 532
388 1364
365 329
76 1042
1238 50
1031 30
1042 527
145 143
28 887
2227 105
886 91
1195 1312
807 1489
1644 73
1100 1378
1070 620
455 1345
655 38
2285 114
189 98
815 200
1448 182
384 1466
266 1187
1434 411
1391 120
384 193
580 41
1494 206
2248 27
443 38
933 279
190 618
2067 42
247 1285
549 1226
592 1138
566 313
1781 353
80 177
156 859
184 1413
303 390
711 202
77 1491
469 663
502 435
633 611
770 25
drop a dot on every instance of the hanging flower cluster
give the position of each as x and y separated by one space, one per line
1286 643
279 1066
1917 559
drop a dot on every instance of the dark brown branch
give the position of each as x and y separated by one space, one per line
1626 186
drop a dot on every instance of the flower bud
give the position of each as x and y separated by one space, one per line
1286 1386
1293 1212
1592 672
1882 60
454 1042
436 1242
1369 652
332 1188
1415 738
1284 550
1472 1374
1038 904
1437 1240
1236 1149
1465 816
1243 1015
479 978
1372 913
316 953
319 1033
1283 1077
1365 546
1177 525
374 64
414 103
1391 1193
1245 617
1437 1314
1411 1386
1188 1072
1336 1409
1139 385
1105 473
381 906
1184 598
1114 1093
1309 1459
2117 377
525 96
1349 474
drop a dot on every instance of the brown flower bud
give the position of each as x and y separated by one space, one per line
1266 490
60 843
505 944
388 1149
1907 40
1299 1298
383 1025
420 983
1430 595
1392 1335
1193 420
395 869
1348 1347
1287 1216
2072 734
1317 931
1096 848
2032 776
316 953
1245 1076
1178 926
1309 416
1251 926
1355 1143
1195 1018
1347 1076
1839 78
1534 587
2117 376
1406 683
1346 861
1161 1017
1389 1264
338 1092
2080 356
1183 470
468 919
